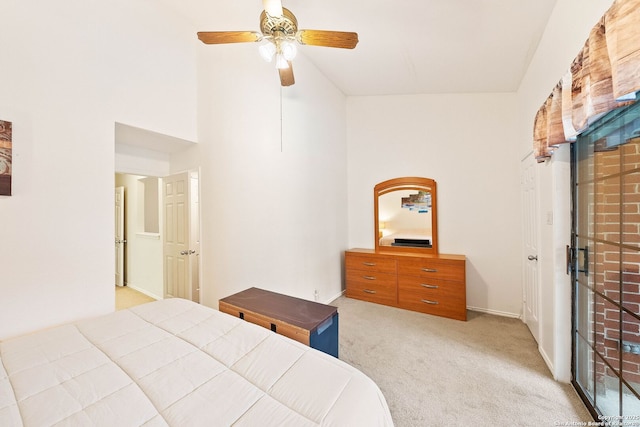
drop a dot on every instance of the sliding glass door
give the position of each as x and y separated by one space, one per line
606 265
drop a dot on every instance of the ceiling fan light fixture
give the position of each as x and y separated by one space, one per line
288 50
267 51
281 62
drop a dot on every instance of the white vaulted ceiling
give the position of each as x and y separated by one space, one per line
406 46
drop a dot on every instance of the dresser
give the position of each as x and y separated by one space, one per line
428 283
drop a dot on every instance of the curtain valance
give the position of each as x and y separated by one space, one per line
605 75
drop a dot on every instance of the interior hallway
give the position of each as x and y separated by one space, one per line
127 297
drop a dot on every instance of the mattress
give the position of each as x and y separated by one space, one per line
177 363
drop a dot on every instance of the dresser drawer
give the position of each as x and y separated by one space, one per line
431 267
438 297
380 288
371 278
429 287
370 262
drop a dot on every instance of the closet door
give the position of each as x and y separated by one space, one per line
606 265
530 266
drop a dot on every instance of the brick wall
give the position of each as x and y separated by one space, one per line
616 261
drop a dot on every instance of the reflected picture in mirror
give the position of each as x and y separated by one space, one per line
405 215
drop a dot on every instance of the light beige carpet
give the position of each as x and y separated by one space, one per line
441 372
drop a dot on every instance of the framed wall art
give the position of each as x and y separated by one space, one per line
5 158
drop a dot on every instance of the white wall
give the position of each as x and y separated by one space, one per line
143 253
273 194
465 142
70 70
566 33
141 161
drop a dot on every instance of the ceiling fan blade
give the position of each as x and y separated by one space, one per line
341 39
273 7
286 75
220 37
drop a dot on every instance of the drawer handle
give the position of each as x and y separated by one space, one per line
424 285
369 277
429 270
369 291
426 301
369 264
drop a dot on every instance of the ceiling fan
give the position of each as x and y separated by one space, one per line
279 28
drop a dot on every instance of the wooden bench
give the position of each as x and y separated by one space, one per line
308 322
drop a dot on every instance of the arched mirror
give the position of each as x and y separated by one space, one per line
405 215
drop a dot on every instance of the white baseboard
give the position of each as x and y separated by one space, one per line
495 312
335 297
547 361
144 291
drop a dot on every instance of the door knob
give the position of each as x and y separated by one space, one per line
187 252
532 257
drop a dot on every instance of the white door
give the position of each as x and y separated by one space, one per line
530 269
119 235
178 248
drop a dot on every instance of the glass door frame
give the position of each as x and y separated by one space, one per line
598 145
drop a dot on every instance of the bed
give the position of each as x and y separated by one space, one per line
411 237
177 363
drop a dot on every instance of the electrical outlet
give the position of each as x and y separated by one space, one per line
316 295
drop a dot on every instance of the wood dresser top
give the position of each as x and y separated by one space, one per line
407 254
294 311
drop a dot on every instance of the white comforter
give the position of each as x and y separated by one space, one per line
177 363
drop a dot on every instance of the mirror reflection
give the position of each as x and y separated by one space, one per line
404 218
405 215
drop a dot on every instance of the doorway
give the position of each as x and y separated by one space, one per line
151 155
606 265
148 226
